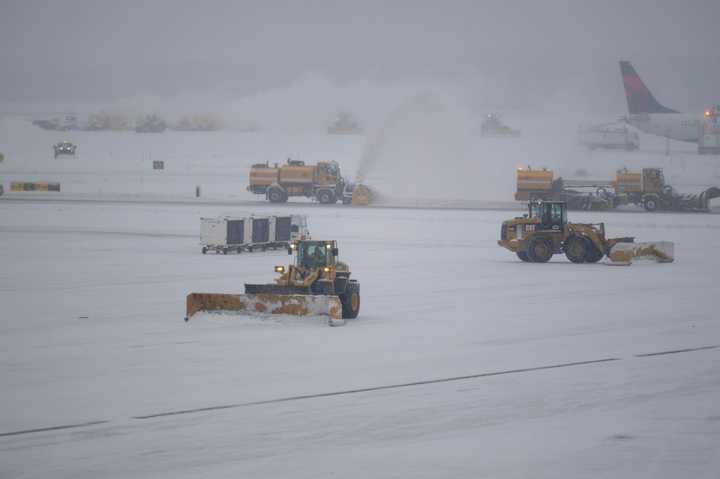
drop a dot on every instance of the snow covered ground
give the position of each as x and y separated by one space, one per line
464 361
91 331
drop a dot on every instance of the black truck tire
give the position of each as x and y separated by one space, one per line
650 203
350 300
276 195
326 197
539 250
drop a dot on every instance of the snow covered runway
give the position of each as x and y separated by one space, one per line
464 361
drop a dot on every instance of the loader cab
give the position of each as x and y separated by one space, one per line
315 254
552 214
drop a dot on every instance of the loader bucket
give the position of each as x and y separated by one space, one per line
265 304
626 253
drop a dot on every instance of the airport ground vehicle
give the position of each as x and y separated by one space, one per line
492 126
322 182
344 124
608 136
150 124
237 234
646 188
207 122
709 132
545 231
316 283
64 148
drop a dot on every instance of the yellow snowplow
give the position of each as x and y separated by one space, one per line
316 284
545 231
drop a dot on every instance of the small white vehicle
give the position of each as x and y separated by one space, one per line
610 136
237 234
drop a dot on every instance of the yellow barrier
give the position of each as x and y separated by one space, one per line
34 186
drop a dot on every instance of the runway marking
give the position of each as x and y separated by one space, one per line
52 428
373 388
677 351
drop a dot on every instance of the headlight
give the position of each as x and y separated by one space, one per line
326 269
279 269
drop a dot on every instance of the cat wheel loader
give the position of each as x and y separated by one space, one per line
545 231
317 283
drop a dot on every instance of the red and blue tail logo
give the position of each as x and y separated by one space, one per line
639 98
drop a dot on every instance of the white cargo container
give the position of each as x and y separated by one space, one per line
226 234
608 136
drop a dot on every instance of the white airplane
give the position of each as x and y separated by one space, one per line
646 114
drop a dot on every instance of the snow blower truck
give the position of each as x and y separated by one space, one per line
322 182
545 231
316 284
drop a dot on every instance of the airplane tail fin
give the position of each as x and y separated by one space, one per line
639 98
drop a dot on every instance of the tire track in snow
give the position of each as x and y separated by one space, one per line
52 428
677 351
376 388
359 390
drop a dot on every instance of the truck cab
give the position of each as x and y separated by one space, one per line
328 182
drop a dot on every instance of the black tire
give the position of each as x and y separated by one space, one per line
650 203
593 254
326 197
540 250
276 195
523 256
204 250
576 248
224 251
350 300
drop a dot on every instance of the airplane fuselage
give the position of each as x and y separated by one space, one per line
676 126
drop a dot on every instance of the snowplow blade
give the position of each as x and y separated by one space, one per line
361 195
266 304
626 253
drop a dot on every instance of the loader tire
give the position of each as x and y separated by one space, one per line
204 250
350 300
593 254
539 250
523 256
576 248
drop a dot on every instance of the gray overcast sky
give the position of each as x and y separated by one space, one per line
93 51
